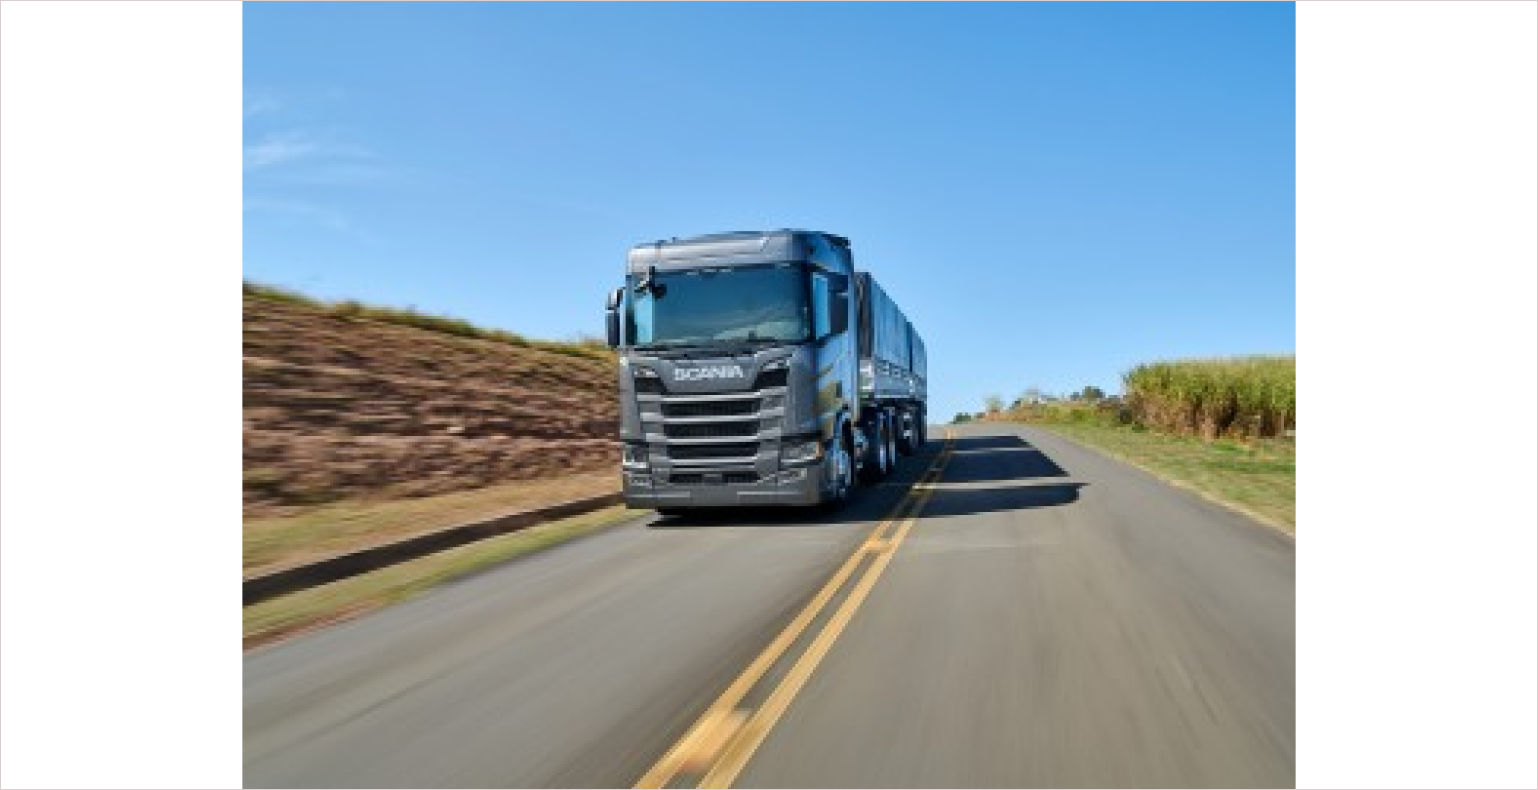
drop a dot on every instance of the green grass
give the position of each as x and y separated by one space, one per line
278 617
1258 477
1221 427
587 348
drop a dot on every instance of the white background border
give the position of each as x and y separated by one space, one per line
1417 351
120 394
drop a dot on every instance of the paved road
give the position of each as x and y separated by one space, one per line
1050 618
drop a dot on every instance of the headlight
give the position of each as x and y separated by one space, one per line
801 452
634 456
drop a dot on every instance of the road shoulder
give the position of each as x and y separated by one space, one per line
1275 520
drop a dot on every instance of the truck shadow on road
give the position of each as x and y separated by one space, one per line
969 501
978 459
1009 464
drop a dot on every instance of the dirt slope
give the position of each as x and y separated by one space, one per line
342 407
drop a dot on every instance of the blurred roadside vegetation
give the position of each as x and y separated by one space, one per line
1225 428
591 347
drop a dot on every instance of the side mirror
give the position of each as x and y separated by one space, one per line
612 316
613 327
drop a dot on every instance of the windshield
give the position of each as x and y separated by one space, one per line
715 305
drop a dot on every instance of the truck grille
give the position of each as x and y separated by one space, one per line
740 429
725 478
697 451
714 408
771 378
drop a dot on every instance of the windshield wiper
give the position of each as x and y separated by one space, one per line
671 346
721 344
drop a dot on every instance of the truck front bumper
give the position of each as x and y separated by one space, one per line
798 486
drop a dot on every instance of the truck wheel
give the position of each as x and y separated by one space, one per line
875 467
843 481
907 433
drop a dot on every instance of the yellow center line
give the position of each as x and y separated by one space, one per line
686 752
745 741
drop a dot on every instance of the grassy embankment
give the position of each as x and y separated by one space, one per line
1222 428
316 607
593 348
365 424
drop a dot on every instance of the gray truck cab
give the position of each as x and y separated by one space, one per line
740 372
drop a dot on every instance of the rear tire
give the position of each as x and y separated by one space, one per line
907 433
877 465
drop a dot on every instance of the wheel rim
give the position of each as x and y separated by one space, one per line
842 471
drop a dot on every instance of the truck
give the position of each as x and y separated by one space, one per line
760 368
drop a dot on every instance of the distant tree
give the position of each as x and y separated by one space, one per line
961 417
994 404
1092 393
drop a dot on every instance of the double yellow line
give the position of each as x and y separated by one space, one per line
725 736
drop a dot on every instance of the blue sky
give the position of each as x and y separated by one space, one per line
1053 192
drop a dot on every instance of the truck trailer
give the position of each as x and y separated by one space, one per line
760 368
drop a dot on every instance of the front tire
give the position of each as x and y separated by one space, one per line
843 475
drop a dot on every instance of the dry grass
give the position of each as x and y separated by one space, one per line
592 348
344 409
272 542
1243 396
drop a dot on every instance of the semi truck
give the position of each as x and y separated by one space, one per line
760 368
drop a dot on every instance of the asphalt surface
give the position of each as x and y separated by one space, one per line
1051 618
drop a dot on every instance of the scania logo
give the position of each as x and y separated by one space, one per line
708 372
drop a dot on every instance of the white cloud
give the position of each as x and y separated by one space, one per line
306 211
261 105
285 147
278 149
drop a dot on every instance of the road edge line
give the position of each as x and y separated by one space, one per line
1269 523
269 584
